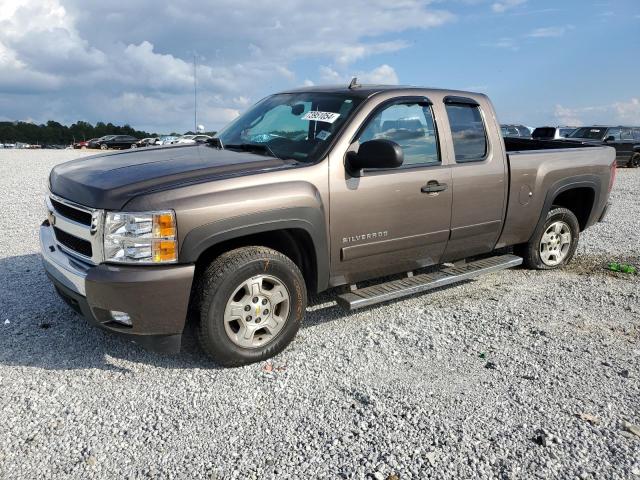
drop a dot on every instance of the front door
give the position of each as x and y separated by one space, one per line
387 221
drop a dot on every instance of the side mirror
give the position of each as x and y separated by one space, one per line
376 154
610 138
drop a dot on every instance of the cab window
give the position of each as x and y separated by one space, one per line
411 126
468 132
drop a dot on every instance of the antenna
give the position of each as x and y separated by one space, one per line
354 83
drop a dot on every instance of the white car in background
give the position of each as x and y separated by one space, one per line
191 139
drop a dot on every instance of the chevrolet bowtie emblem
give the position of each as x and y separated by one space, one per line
257 311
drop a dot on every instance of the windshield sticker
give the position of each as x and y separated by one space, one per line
594 130
328 117
323 134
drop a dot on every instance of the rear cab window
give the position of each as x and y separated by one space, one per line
467 130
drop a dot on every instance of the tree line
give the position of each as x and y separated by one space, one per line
54 133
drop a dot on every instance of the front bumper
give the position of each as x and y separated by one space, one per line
156 298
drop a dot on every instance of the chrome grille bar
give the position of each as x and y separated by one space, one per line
60 219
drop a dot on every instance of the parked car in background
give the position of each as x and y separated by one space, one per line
166 139
191 139
623 139
552 133
84 143
515 131
118 142
95 143
635 157
148 142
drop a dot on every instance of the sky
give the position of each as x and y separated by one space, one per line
542 62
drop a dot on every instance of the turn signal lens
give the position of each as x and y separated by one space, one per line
164 225
164 251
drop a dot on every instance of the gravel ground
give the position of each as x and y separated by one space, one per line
519 374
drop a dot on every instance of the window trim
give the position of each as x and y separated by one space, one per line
464 101
417 99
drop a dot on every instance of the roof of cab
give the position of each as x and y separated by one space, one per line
366 91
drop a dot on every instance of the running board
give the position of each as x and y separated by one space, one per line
363 297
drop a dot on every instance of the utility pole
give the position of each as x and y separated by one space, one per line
195 96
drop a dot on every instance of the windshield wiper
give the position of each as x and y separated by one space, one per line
253 148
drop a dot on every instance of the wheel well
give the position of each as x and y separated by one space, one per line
579 201
294 243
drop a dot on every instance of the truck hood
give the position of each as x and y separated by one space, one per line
109 181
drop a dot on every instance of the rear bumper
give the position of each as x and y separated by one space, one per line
156 298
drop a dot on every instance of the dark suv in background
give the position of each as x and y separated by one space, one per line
114 141
625 140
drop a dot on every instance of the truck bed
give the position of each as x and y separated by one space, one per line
538 170
526 144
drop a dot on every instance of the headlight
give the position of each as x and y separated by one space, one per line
141 237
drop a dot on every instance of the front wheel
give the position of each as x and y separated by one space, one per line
133 145
553 245
103 147
635 161
251 301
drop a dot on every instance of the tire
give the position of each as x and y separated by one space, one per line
635 161
547 249
133 145
227 333
103 147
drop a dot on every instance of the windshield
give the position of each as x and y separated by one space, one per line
295 126
593 133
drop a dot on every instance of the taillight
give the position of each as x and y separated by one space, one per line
612 177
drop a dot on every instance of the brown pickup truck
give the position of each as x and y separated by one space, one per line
308 190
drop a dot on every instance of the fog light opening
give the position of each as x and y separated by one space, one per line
121 317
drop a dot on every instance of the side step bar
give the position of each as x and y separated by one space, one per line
403 287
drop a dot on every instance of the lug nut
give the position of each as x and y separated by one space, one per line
264 301
248 318
265 312
258 320
247 308
255 299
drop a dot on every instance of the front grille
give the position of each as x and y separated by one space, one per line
74 214
83 247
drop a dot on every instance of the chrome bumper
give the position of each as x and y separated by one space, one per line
69 272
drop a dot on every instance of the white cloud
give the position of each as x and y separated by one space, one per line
504 5
384 74
505 42
550 32
621 112
101 59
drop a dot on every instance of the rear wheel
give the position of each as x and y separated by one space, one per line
252 301
554 244
635 161
103 147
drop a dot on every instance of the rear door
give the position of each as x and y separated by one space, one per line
479 178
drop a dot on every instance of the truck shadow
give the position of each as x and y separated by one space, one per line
39 330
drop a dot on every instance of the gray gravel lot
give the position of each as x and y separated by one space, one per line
484 380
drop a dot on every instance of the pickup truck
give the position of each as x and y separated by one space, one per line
403 188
